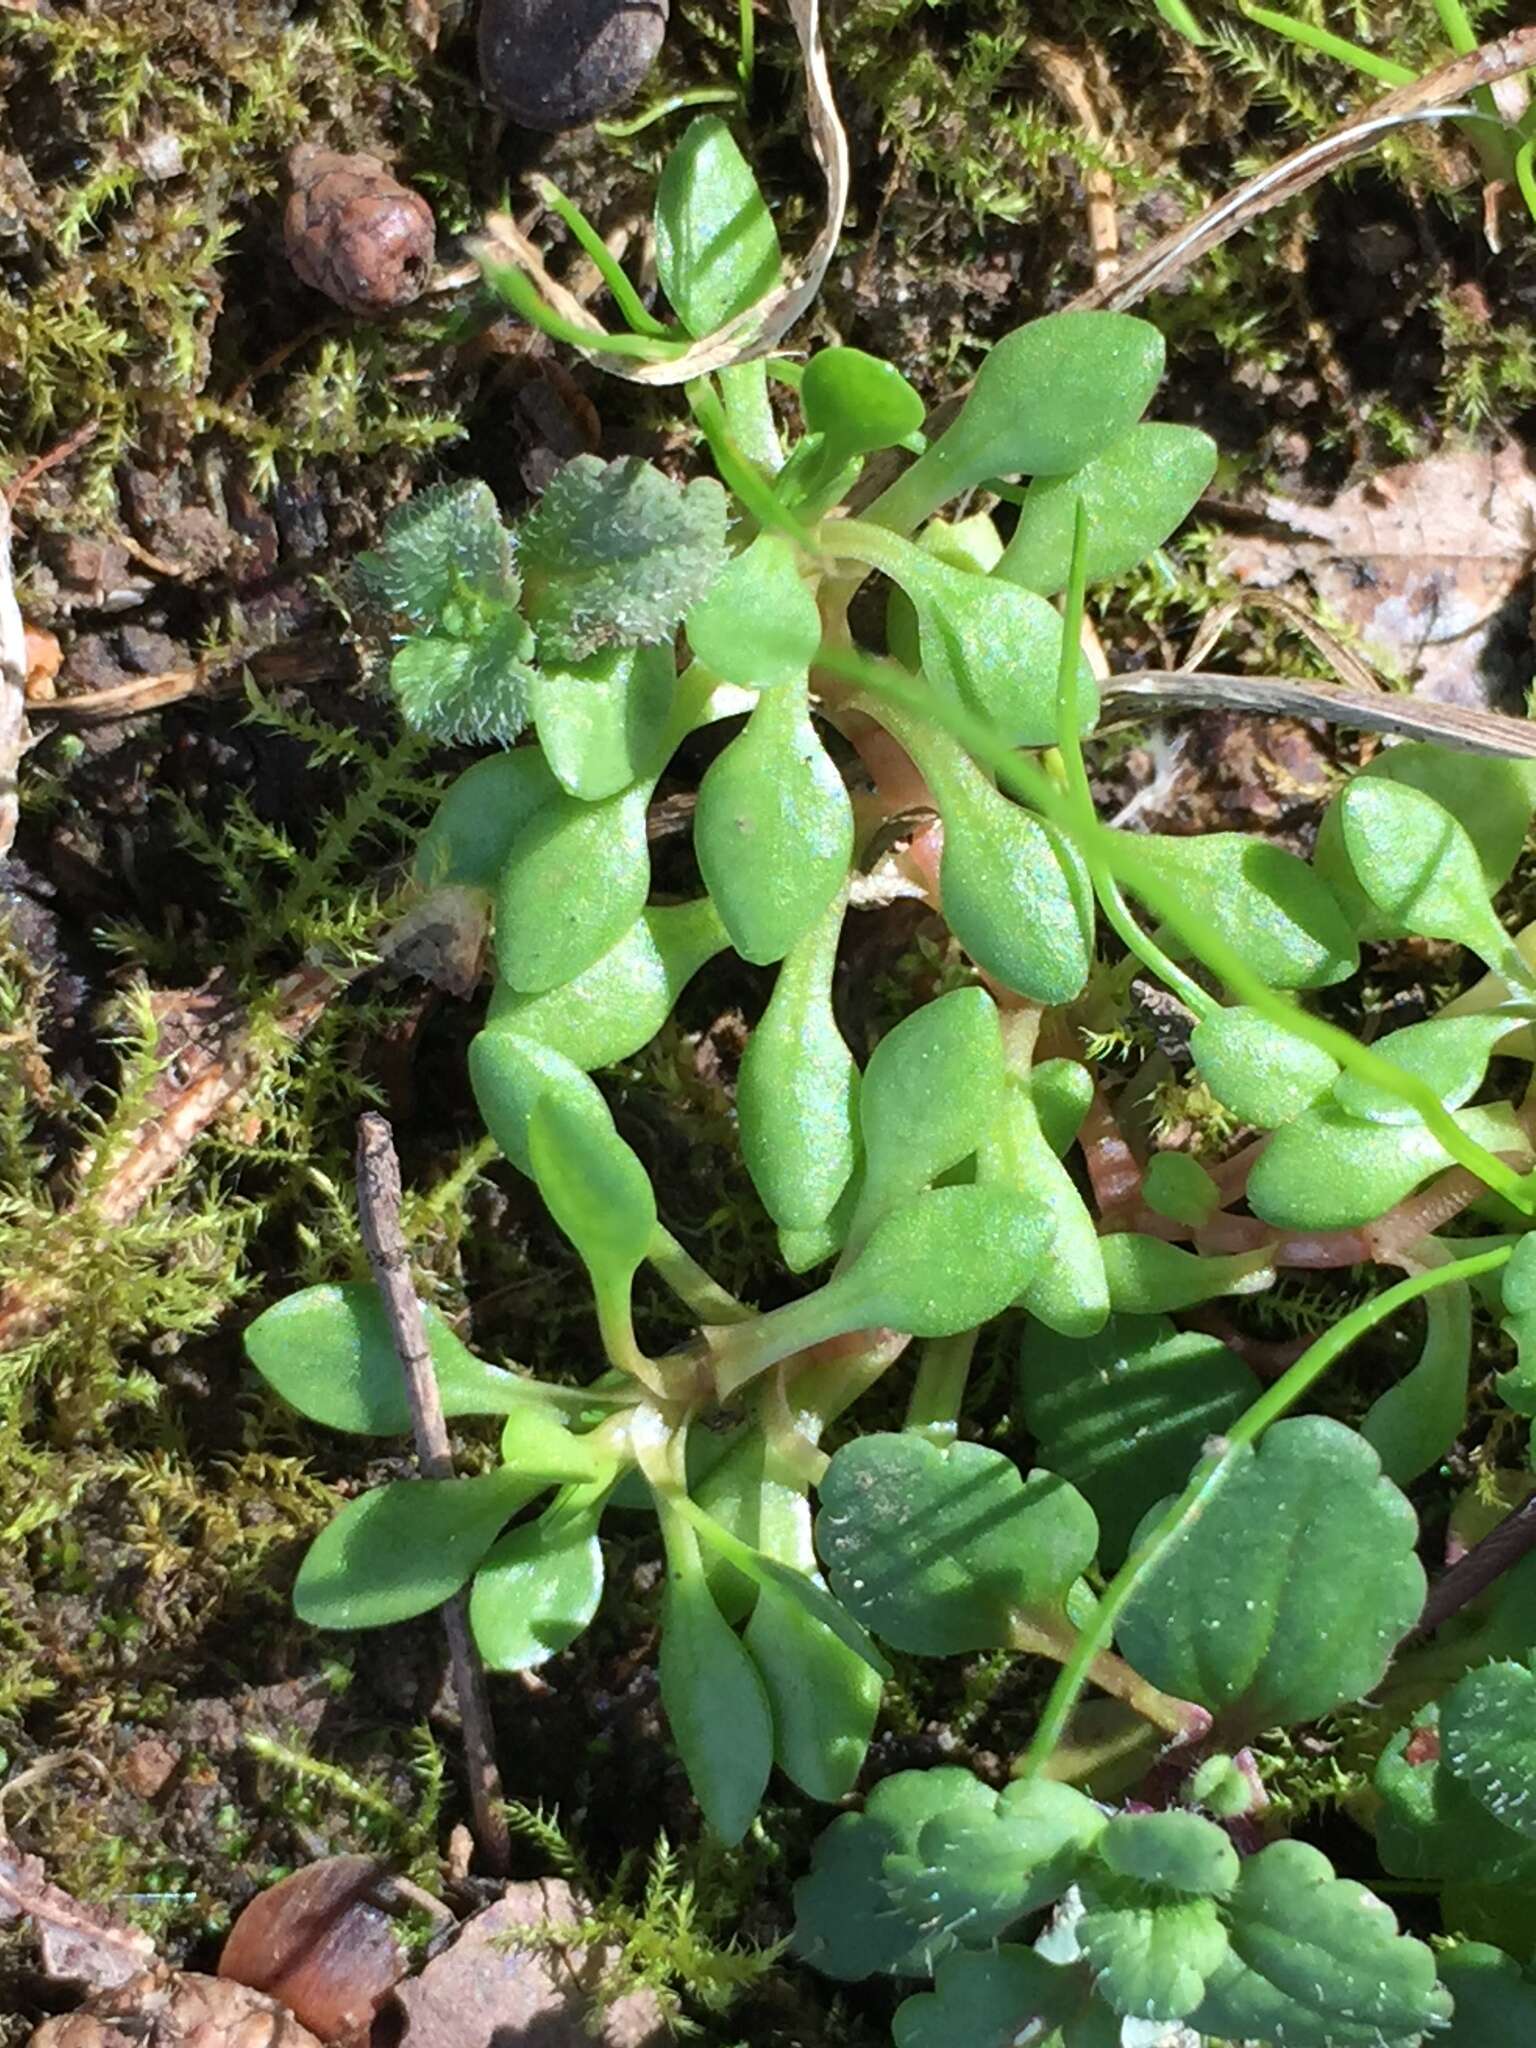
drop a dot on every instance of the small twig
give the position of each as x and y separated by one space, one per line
70 445
1155 691
124 700
1500 1551
378 1202
14 734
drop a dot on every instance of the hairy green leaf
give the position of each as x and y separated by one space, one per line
616 552
1002 1997
445 554
1287 1593
469 689
1488 1741
1317 1962
972 1876
1151 1954
1176 1852
846 1922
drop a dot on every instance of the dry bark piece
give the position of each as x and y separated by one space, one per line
165 2008
354 232
322 1943
79 1944
488 1992
553 64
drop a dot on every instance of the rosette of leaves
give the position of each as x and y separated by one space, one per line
1159 1920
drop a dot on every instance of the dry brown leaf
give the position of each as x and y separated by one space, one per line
1420 562
487 1991
165 2008
754 332
79 1944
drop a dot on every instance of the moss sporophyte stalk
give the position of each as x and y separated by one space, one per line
1212 1562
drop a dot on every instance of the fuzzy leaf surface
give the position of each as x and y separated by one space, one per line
1287 1594
615 552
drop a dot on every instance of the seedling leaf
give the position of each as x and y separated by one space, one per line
717 250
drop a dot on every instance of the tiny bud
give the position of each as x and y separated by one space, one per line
356 233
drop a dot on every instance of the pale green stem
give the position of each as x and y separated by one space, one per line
939 1389
691 1284
696 96
1212 1473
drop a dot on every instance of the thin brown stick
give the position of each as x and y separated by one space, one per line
378 1204
1500 1551
14 734
1452 725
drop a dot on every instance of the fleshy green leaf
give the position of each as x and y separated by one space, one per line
1135 494
622 1000
991 648
591 1181
467 689
1069 1293
1450 1054
1267 904
1177 1186
537 1589
405 1548
328 1352
823 1697
773 829
1147 1276
716 1706
616 552
445 553
857 403
1490 800
973 1876
548 932
509 1075
932 1087
1417 866
1047 398
1287 1594
1317 1962
845 1920
946 1262
1151 1955
797 1087
717 250
758 624
481 813
1015 894
1262 1073
1413 1424
1124 1414
1330 1171
936 1550
1062 1090
603 723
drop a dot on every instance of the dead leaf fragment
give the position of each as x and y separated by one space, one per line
1421 561
79 1944
488 1991
323 1943
165 2008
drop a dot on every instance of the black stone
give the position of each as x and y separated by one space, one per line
553 64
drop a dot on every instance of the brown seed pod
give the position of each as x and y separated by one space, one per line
556 63
322 1944
356 233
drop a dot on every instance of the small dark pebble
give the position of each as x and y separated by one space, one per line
553 64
